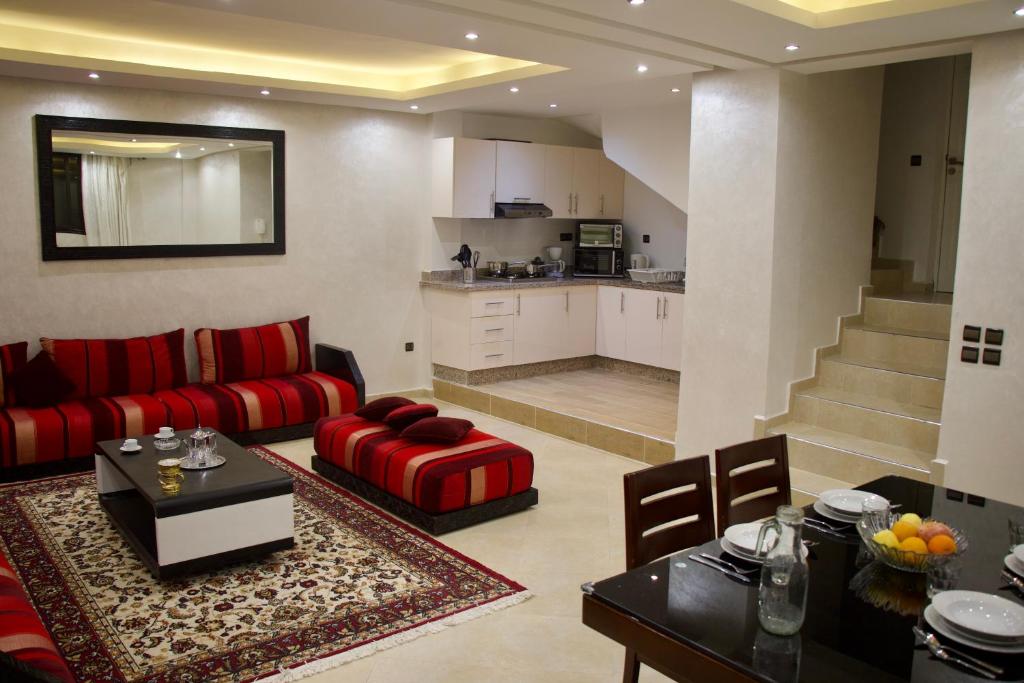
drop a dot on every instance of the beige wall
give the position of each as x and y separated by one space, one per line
357 186
778 241
646 212
982 436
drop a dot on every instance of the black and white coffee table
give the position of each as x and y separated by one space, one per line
238 511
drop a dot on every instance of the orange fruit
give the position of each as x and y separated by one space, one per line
914 545
942 545
904 530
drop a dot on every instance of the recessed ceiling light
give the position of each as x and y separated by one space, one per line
264 92
792 47
553 105
471 36
94 75
231 144
135 139
641 68
414 107
177 155
675 89
1019 11
202 149
91 152
513 89
636 3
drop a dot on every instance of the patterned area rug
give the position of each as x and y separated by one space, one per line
356 582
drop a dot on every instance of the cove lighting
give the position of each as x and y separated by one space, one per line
1019 11
641 68
94 75
472 36
513 89
792 47
264 92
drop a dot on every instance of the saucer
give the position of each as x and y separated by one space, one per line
825 511
131 450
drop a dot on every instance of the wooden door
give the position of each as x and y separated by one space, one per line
519 176
558 163
586 183
542 324
671 331
612 181
473 181
643 326
611 322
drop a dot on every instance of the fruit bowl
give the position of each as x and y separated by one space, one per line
907 560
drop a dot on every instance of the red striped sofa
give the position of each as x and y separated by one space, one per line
258 385
438 487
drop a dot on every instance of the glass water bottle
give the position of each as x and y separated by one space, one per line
782 600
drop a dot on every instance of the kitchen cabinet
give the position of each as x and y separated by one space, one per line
612 187
643 326
542 324
519 174
582 322
558 162
671 331
463 178
586 183
610 340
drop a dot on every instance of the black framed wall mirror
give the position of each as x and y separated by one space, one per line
135 189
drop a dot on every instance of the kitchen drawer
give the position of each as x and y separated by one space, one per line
491 355
494 304
493 328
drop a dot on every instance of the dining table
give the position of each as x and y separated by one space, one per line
694 623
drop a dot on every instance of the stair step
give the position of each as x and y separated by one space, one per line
880 382
917 316
873 402
893 345
887 280
913 369
900 331
811 485
868 423
853 445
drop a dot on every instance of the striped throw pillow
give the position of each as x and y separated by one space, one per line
272 350
12 358
118 367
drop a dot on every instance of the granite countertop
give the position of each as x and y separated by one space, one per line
451 280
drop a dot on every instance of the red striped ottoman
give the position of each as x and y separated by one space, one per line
438 487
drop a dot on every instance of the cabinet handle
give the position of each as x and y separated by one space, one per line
570 203
577 209
602 205
490 209
493 303
659 308
519 303
495 329
522 199
664 309
567 302
622 302
494 355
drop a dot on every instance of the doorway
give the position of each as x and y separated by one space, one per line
920 168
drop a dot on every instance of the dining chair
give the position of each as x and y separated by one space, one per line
751 480
668 509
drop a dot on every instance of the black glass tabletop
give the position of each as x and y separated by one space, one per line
860 613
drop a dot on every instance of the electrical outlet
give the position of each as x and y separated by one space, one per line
565 236
647 239
408 346
915 159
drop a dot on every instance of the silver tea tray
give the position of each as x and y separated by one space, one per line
213 461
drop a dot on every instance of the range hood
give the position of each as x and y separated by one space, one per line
521 211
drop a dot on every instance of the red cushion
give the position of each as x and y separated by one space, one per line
40 383
260 403
379 409
400 418
438 429
117 367
253 352
433 477
12 357
22 633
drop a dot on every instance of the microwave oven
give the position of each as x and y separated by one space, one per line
599 236
598 262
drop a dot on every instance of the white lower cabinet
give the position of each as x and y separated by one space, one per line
611 322
640 326
672 332
643 326
542 324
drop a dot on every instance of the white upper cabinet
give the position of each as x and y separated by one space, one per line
612 181
586 183
462 178
520 173
558 163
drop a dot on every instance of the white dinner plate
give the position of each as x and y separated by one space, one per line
848 502
987 616
744 536
747 557
936 621
1014 565
824 511
1018 553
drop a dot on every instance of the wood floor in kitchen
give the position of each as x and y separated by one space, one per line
637 404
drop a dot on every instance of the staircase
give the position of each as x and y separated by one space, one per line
874 406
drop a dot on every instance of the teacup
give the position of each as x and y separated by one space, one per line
165 433
130 444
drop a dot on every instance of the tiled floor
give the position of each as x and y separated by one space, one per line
574 535
638 404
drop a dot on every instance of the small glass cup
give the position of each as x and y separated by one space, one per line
943 575
170 475
1016 531
875 512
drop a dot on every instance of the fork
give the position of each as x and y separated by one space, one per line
729 565
1014 581
949 654
837 528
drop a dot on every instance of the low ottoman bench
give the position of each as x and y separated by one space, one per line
439 487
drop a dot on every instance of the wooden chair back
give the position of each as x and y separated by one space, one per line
644 512
770 479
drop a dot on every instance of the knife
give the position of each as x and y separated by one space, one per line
727 572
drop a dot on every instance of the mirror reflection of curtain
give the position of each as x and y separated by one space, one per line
105 200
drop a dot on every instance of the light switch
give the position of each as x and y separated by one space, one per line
994 337
992 357
969 354
972 333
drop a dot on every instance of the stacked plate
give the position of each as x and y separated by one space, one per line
987 622
843 505
1015 561
740 540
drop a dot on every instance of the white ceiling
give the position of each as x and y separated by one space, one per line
591 47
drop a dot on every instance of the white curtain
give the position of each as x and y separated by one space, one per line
105 200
